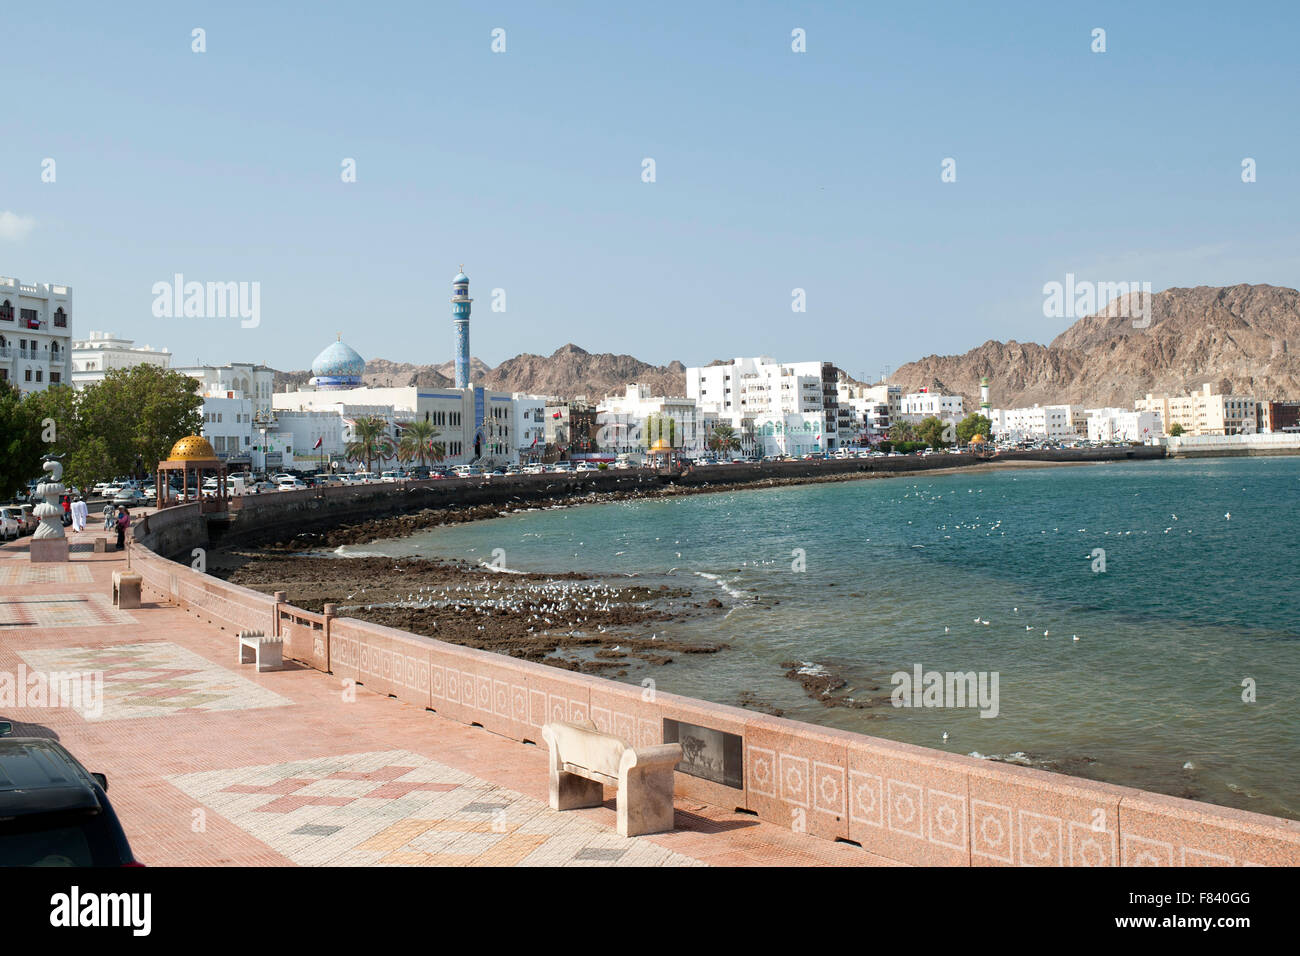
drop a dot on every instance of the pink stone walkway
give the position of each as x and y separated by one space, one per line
210 763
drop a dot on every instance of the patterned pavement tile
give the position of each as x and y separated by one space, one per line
397 808
157 679
19 574
59 610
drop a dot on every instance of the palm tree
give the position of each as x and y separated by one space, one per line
723 439
417 443
370 441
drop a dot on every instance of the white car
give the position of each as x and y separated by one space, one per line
288 483
9 526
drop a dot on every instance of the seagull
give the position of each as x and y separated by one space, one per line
1045 633
1028 628
945 735
945 630
1228 516
1076 637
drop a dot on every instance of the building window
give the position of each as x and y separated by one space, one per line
27 375
6 312
60 319
55 378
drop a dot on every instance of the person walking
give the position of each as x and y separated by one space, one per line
123 522
108 516
79 514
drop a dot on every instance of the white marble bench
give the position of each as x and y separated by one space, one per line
584 761
266 652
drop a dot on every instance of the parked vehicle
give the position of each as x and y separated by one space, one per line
10 527
128 496
289 483
30 521
53 812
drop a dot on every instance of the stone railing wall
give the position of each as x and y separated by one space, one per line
903 802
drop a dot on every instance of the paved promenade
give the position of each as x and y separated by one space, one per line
211 763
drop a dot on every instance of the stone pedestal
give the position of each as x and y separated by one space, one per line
101 545
49 549
126 589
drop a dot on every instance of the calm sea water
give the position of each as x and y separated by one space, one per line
904 571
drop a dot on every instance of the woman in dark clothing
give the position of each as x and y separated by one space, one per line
123 522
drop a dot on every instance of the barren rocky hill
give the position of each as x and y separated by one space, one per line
568 372
1240 338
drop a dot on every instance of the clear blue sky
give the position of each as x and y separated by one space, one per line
775 170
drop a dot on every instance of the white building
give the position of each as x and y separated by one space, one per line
762 395
35 334
622 423
871 408
1039 422
94 357
1204 412
916 406
228 425
528 424
1122 425
239 379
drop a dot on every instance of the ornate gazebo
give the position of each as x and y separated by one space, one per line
195 459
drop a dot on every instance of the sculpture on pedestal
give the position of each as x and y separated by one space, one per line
48 541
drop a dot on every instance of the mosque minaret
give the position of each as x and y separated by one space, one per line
460 306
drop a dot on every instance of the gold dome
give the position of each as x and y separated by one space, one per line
977 440
661 446
193 448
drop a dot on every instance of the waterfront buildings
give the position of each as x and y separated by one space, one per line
1039 422
923 404
1279 417
1204 412
624 420
1122 425
35 334
102 352
784 405
528 425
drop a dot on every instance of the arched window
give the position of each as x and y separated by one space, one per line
7 311
60 318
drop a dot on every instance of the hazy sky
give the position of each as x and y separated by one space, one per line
774 170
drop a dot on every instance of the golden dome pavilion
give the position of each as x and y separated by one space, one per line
193 448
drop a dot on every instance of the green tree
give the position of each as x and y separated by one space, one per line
370 442
972 425
902 431
131 419
661 426
21 447
1175 430
931 431
417 443
723 439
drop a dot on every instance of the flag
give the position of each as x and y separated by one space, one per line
319 442
534 443
556 415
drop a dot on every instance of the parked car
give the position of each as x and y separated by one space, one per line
53 812
30 521
10 526
128 496
289 483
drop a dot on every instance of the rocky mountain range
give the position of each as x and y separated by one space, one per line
1239 338
568 372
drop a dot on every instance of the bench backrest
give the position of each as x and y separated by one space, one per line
589 748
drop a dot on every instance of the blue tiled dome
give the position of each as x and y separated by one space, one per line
460 277
338 366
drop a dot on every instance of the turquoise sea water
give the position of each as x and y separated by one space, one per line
1191 603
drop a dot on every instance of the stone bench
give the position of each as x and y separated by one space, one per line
256 648
101 545
584 760
126 589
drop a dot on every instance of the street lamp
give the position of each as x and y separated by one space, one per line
264 421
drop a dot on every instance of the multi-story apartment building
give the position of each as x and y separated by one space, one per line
1122 425
1044 422
35 334
1204 412
761 396
529 424
240 379
96 356
925 404
624 422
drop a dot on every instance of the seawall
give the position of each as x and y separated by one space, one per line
911 804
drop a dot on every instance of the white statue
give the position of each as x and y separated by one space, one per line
49 511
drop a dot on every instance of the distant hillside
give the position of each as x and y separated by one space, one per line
1241 338
568 372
